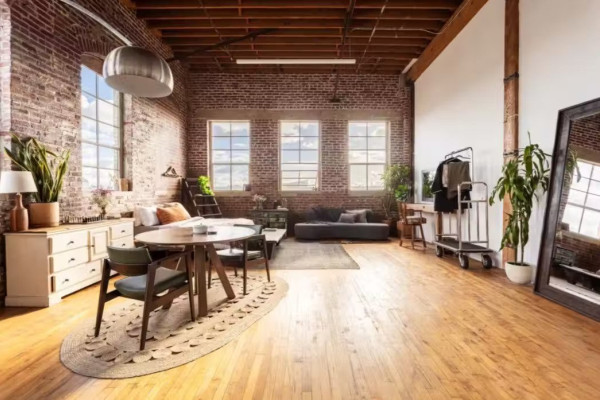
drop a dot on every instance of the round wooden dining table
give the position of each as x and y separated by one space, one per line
202 244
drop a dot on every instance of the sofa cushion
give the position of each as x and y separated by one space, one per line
361 215
326 214
172 214
339 230
145 216
348 218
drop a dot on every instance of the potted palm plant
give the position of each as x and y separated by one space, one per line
48 169
524 178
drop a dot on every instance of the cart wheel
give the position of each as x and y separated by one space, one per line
464 261
486 261
439 251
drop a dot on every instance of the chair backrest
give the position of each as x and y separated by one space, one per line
257 228
130 261
403 212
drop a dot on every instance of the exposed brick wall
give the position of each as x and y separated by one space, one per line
584 134
265 99
47 43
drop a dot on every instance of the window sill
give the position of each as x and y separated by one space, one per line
366 193
580 237
233 193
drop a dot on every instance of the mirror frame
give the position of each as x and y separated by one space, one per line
542 287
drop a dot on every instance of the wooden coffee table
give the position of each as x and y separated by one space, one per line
274 237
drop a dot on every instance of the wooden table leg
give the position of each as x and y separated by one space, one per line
200 267
216 263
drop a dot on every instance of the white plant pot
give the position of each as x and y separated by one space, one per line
520 274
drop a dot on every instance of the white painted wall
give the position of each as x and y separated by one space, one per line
560 67
459 103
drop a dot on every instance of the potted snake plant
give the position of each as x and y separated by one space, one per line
48 169
524 178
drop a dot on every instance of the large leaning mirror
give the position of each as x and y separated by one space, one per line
569 265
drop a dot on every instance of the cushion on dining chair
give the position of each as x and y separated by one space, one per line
135 287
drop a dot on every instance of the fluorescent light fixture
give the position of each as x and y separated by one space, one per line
289 61
410 64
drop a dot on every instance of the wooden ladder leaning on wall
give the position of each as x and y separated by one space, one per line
197 203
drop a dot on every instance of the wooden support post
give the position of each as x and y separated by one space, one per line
511 97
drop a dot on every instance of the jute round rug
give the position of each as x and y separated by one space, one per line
172 339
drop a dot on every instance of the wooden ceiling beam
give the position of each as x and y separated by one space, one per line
292 54
284 13
300 4
275 23
298 33
449 32
415 50
291 41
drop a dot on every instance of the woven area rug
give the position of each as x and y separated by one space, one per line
292 254
173 338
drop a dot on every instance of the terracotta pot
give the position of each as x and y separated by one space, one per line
391 222
43 215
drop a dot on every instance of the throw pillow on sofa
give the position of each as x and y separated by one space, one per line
145 216
348 218
180 207
327 214
168 215
361 215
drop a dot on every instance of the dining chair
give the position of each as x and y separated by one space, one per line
414 222
251 253
145 281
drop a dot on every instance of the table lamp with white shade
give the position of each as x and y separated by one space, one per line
18 182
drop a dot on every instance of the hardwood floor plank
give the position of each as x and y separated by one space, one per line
407 325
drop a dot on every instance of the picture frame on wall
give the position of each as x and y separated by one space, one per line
427 177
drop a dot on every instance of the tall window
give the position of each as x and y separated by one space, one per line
100 132
367 144
299 155
582 211
230 154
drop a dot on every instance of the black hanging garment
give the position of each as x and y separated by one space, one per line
443 200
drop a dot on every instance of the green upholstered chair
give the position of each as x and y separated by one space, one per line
252 252
145 280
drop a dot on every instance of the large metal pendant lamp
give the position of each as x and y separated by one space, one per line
130 69
138 71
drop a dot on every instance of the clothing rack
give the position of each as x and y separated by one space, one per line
467 155
461 242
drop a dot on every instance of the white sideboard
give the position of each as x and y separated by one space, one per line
43 265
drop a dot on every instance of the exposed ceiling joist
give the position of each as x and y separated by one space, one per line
296 4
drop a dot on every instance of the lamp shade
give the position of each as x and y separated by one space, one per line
17 182
138 72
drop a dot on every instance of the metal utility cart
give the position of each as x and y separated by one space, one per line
464 241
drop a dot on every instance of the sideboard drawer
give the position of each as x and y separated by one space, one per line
125 242
68 259
73 276
67 241
121 230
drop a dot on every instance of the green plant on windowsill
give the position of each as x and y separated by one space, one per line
204 185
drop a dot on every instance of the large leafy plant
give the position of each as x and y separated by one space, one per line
397 186
524 178
47 167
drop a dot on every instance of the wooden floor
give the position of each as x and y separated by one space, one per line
405 326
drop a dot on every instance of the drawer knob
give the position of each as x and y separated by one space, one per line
122 230
122 244
70 243
66 280
93 270
72 259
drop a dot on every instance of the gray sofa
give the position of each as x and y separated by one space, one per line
322 224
